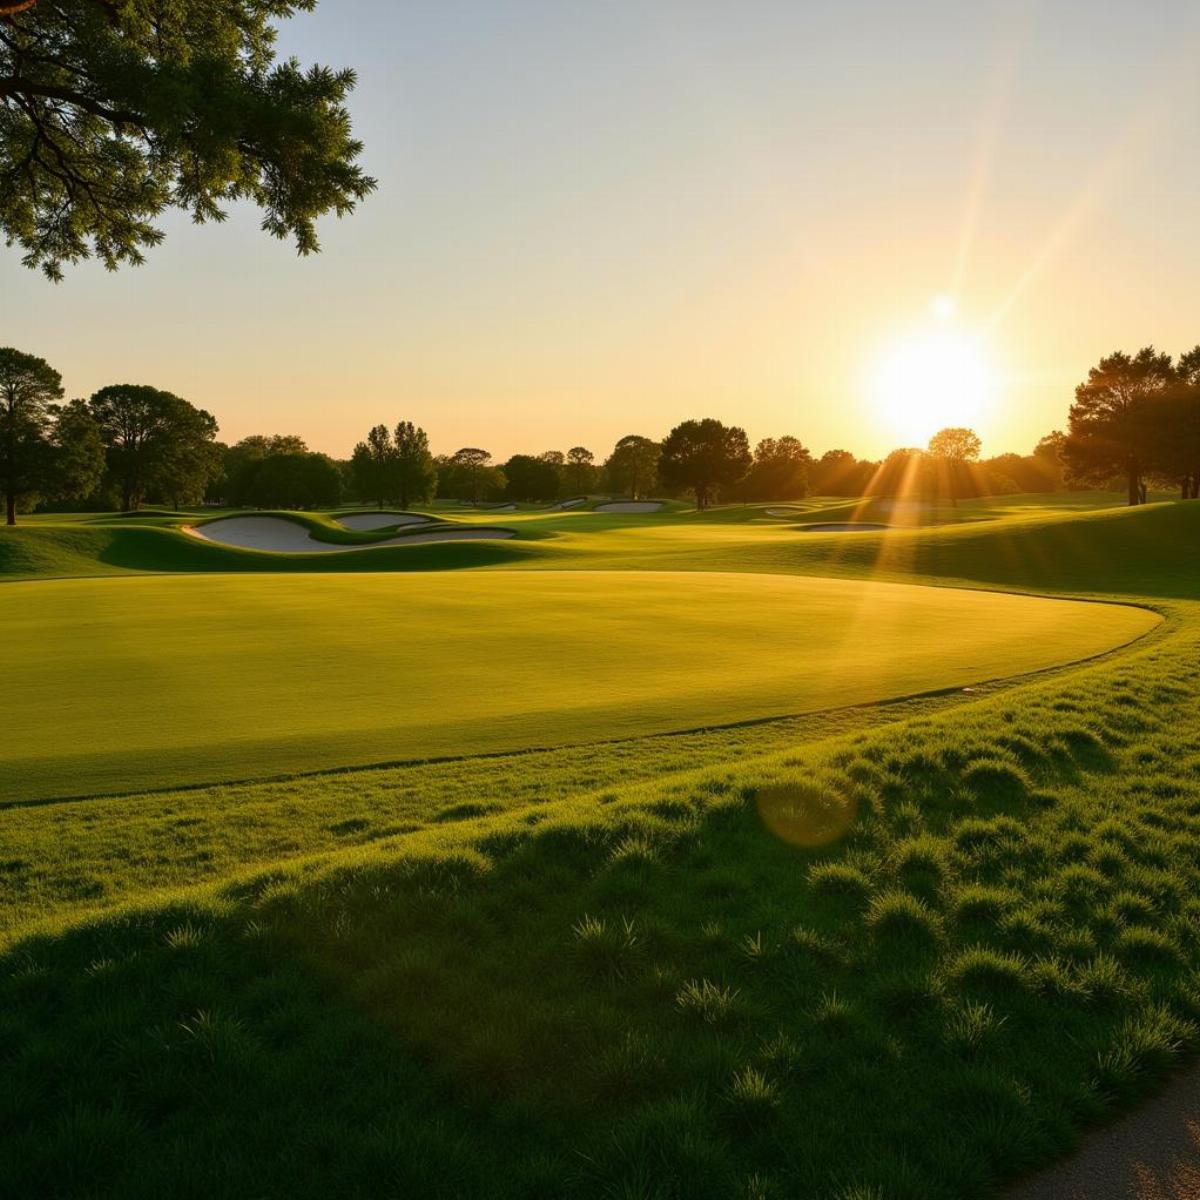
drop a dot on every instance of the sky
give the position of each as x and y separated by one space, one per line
603 218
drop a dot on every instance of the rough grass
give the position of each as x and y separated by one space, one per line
633 989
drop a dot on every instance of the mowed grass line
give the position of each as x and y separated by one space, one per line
130 684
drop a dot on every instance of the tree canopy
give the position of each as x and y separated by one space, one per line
394 468
532 479
155 440
29 386
779 470
1110 433
632 468
702 456
113 111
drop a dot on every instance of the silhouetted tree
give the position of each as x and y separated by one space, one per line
416 473
296 481
839 473
1109 433
240 461
531 479
580 470
468 474
903 473
779 470
111 113
951 454
372 463
29 386
702 456
632 468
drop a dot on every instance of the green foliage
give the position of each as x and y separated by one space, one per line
397 469
530 479
28 388
155 443
632 468
112 113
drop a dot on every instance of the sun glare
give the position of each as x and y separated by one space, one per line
933 380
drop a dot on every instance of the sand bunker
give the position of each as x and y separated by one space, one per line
278 536
366 521
786 512
501 508
846 527
570 503
629 506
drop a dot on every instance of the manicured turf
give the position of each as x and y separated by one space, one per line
625 970
231 677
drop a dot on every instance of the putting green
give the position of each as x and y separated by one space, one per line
128 683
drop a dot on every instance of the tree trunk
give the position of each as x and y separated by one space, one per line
1196 485
1135 492
10 508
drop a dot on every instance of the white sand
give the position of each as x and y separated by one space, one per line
380 520
501 508
846 527
629 506
571 503
786 512
278 536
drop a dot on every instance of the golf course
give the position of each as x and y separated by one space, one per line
652 853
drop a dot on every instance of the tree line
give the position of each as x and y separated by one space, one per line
1134 423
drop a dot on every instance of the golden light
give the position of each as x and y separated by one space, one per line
932 380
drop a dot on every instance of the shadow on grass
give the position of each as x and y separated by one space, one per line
654 997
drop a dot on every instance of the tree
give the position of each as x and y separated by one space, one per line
531 479
112 112
902 474
1172 420
472 464
29 386
78 463
296 481
779 470
702 456
632 468
416 473
241 460
1108 431
147 434
839 473
373 462
189 459
581 469
952 453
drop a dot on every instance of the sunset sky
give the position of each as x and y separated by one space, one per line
596 219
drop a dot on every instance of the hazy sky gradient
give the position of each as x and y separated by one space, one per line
601 218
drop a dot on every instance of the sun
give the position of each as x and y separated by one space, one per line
931 380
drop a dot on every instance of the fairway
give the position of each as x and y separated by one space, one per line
139 683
